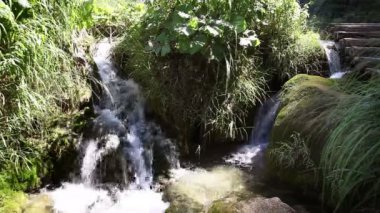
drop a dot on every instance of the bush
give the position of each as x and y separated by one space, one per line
205 65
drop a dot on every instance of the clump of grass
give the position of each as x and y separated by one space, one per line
39 83
350 159
293 154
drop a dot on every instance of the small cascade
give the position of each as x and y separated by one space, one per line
331 49
259 138
116 173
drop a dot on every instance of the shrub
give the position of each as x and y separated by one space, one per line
202 64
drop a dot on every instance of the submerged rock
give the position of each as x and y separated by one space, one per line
256 205
194 190
39 204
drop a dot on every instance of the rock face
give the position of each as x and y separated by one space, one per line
256 205
298 135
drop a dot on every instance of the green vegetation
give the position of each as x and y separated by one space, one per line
41 88
351 157
339 126
330 11
11 201
205 65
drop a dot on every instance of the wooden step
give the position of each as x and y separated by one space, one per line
372 72
359 42
359 64
346 34
360 27
362 51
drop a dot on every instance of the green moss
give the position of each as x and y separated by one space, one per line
222 206
12 201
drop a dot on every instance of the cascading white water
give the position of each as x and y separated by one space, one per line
93 155
259 139
333 59
119 132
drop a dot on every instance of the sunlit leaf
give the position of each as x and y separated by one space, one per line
184 15
249 41
212 31
184 31
23 3
193 23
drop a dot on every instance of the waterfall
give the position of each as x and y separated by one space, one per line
331 49
116 173
259 139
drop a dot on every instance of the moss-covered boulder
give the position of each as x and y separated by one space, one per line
255 204
301 128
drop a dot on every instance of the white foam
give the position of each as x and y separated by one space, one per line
338 75
93 154
244 156
80 198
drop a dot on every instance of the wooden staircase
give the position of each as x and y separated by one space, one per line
359 46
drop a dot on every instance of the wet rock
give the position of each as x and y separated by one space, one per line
264 205
256 205
194 190
39 204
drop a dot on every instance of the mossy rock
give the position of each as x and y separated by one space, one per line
306 102
12 201
255 204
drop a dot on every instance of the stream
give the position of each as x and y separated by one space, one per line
120 160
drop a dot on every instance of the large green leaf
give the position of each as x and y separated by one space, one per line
239 23
197 44
212 31
6 14
165 49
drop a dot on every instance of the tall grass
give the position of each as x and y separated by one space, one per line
39 85
351 157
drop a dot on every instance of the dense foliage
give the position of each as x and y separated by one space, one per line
41 86
205 64
351 157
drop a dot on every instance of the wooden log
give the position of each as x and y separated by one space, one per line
359 27
349 24
345 34
360 42
359 64
372 72
362 52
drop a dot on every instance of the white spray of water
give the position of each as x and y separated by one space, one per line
93 154
244 157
